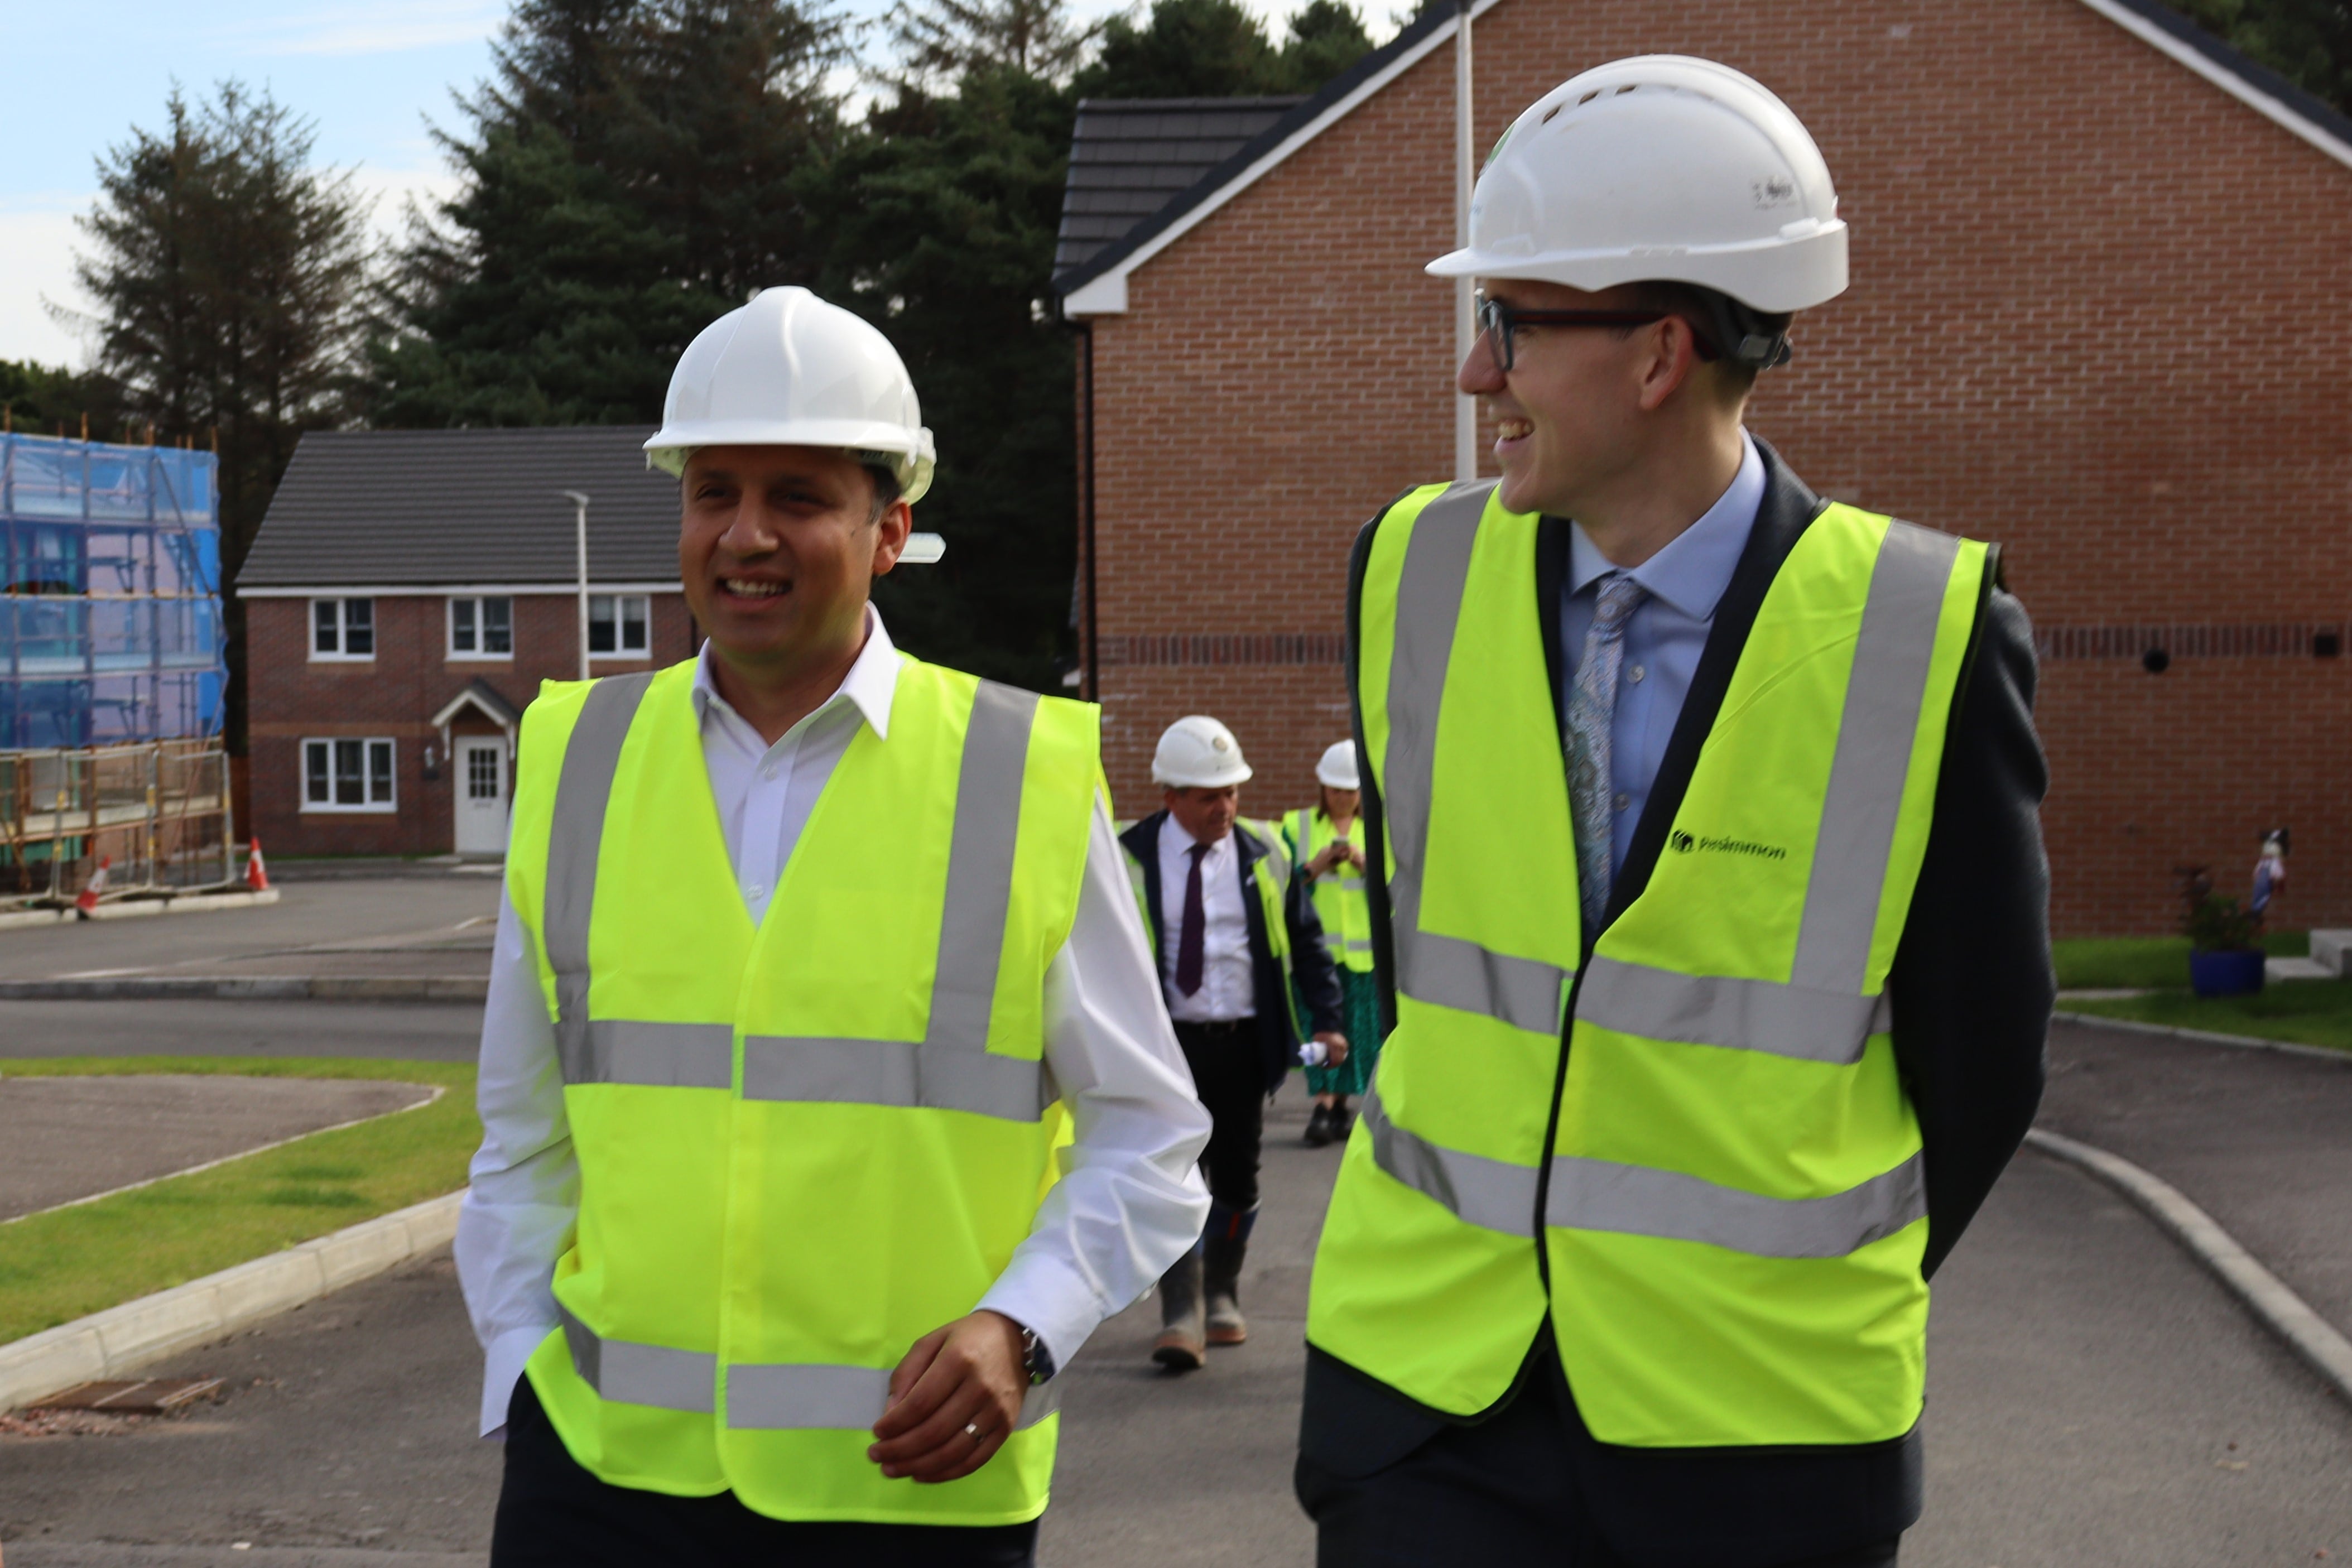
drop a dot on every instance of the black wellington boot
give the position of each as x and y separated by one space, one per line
1181 1345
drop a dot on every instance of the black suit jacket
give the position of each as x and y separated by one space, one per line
1970 990
1316 977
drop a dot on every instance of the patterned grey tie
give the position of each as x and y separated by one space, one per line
1591 708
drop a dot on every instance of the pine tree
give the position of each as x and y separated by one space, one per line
632 170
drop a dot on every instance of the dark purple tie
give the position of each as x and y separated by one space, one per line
1190 935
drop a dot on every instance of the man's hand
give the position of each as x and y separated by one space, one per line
1336 1042
953 1400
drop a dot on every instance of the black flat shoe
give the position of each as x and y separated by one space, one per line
1319 1126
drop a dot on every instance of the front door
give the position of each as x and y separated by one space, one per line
481 794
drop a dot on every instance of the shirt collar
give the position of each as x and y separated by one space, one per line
1695 567
871 684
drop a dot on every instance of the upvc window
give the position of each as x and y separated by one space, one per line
619 625
481 628
343 628
342 774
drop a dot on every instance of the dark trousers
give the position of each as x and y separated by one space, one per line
1229 1075
1502 1492
552 1513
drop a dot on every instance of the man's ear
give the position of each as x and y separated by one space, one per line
1673 359
890 531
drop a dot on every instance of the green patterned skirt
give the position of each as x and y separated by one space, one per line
1360 996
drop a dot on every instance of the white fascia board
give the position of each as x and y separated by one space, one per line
1106 295
455 591
2271 108
465 699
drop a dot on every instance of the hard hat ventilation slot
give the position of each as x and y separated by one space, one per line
1549 114
1587 97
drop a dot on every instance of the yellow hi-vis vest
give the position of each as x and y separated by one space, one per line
1340 901
1731 1209
806 1144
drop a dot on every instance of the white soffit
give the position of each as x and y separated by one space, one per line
1106 295
2285 116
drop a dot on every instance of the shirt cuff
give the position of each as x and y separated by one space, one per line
1051 1299
502 1364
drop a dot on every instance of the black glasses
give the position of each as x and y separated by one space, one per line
1500 324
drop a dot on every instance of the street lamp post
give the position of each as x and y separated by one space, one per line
580 517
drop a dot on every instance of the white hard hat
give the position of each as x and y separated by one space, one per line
789 370
1198 752
1338 768
1660 168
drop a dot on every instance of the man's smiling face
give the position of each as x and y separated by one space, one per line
778 547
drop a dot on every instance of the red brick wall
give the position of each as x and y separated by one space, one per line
396 694
2087 321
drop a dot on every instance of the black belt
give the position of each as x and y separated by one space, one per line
1220 1027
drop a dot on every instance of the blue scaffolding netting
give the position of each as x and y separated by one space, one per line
110 630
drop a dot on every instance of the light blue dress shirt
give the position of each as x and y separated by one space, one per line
1664 634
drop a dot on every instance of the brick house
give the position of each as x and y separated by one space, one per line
407 594
2095 254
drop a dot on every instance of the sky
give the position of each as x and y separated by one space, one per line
370 73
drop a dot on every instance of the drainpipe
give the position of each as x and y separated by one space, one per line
580 518
1092 688
1466 325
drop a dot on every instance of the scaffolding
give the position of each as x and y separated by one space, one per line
112 672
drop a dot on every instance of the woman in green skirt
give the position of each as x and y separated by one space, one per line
1326 844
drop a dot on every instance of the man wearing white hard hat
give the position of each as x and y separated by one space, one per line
1710 902
1326 842
813 958
1240 960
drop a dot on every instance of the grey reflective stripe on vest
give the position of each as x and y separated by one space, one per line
655 1056
575 835
1741 1014
801 1397
1444 971
1639 1200
637 1373
1876 732
950 1068
1493 1194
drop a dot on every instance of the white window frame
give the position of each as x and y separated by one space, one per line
367 744
455 655
338 654
620 624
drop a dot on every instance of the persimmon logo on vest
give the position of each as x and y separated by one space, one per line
1686 842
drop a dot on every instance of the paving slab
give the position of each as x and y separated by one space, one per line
213 1027
70 1137
2261 1139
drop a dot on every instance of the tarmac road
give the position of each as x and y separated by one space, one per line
2091 1396
209 1027
306 914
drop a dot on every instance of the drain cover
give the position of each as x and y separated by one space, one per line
151 1396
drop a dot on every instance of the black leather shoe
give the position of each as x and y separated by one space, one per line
1319 1126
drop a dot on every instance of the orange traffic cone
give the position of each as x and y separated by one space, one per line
256 874
88 902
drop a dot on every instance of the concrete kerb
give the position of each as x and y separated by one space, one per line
123 1340
135 908
252 988
2204 1036
2264 1294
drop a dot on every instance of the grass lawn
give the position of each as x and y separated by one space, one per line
58 1265
2146 962
2307 1012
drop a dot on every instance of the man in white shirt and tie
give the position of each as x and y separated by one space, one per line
1241 959
808 950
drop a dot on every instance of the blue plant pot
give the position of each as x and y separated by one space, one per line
2225 973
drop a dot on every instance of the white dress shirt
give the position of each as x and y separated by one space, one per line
1228 984
1129 1201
